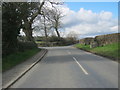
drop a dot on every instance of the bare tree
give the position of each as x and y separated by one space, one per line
27 26
30 14
73 34
39 10
55 15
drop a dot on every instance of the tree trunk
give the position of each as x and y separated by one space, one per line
45 28
46 33
28 30
28 34
58 34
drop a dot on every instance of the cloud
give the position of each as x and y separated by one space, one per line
88 23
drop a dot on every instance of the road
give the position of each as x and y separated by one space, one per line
68 67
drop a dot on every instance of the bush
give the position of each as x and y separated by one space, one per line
56 41
53 39
26 45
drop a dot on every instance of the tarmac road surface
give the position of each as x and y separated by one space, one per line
68 67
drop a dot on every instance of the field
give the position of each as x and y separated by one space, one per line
110 50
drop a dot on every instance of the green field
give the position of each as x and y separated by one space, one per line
16 58
110 50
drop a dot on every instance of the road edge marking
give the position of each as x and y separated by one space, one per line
80 66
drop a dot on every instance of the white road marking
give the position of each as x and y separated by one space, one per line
81 66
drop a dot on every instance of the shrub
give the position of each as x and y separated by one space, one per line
26 45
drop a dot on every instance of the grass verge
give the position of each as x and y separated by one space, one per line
17 58
110 50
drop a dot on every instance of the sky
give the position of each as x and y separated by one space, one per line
88 19
94 6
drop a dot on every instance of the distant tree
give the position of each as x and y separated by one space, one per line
51 18
72 37
44 25
55 16
72 34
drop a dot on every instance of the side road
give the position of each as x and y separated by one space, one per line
11 76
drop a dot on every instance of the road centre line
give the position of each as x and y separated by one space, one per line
81 66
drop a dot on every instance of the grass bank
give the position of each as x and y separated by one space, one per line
16 58
110 50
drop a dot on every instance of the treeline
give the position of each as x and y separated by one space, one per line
17 16
55 41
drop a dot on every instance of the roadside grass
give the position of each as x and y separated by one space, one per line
17 58
110 50
82 46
